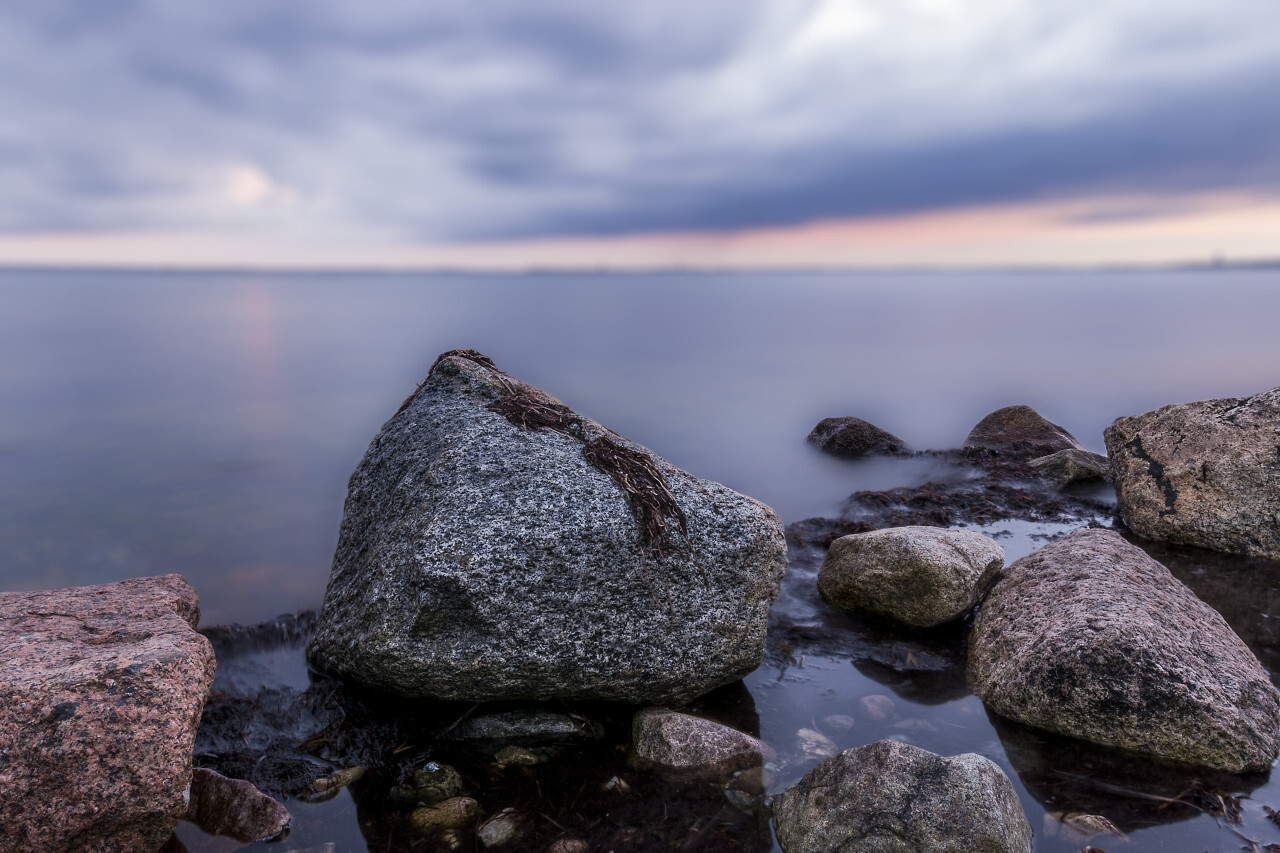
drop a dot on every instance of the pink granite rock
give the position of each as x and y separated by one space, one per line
234 807
101 689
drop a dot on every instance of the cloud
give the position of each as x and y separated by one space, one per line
449 121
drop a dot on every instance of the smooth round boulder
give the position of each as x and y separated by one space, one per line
1205 474
1019 432
1091 638
890 797
853 438
923 576
495 545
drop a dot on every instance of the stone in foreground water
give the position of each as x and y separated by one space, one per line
1090 637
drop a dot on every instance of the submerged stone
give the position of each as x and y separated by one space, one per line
495 545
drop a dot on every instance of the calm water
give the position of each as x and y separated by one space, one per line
206 424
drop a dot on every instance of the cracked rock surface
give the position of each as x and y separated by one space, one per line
890 797
100 694
1091 638
484 556
1205 474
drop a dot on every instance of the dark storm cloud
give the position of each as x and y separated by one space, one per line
457 120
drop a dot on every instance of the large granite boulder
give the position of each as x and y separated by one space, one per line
100 695
854 438
1204 474
496 545
923 576
1089 637
890 797
1019 432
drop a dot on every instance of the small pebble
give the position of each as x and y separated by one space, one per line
838 723
505 827
515 756
815 745
616 785
568 845
877 706
454 813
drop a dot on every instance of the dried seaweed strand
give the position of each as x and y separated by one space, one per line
533 412
651 500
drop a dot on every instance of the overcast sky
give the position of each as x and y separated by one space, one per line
320 123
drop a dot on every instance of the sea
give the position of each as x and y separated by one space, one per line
206 423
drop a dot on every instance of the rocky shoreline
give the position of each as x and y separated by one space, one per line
535 634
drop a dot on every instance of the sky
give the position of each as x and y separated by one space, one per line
566 133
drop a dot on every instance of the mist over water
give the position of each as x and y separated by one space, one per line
207 423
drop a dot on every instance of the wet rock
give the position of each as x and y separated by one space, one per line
1204 474
814 745
488 551
335 781
515 756
528 728
100 695
688 747
877 706
1071 466
432 783
1019 432
857 800
1091 638
853 438
569 845
840 723
234 808
616 785
503 829
454 813
923 576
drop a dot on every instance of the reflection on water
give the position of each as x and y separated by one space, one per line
207 424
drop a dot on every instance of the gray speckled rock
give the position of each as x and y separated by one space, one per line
1071 466
1204 474
1090 637
923 576
1019 432
688 747
890 797
482 560
853 438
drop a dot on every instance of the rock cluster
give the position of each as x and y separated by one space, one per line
923 576
890 797
1090 637
1205 474
496 545
100 696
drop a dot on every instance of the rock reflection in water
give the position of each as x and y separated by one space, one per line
1065 775
283 738
1245 590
